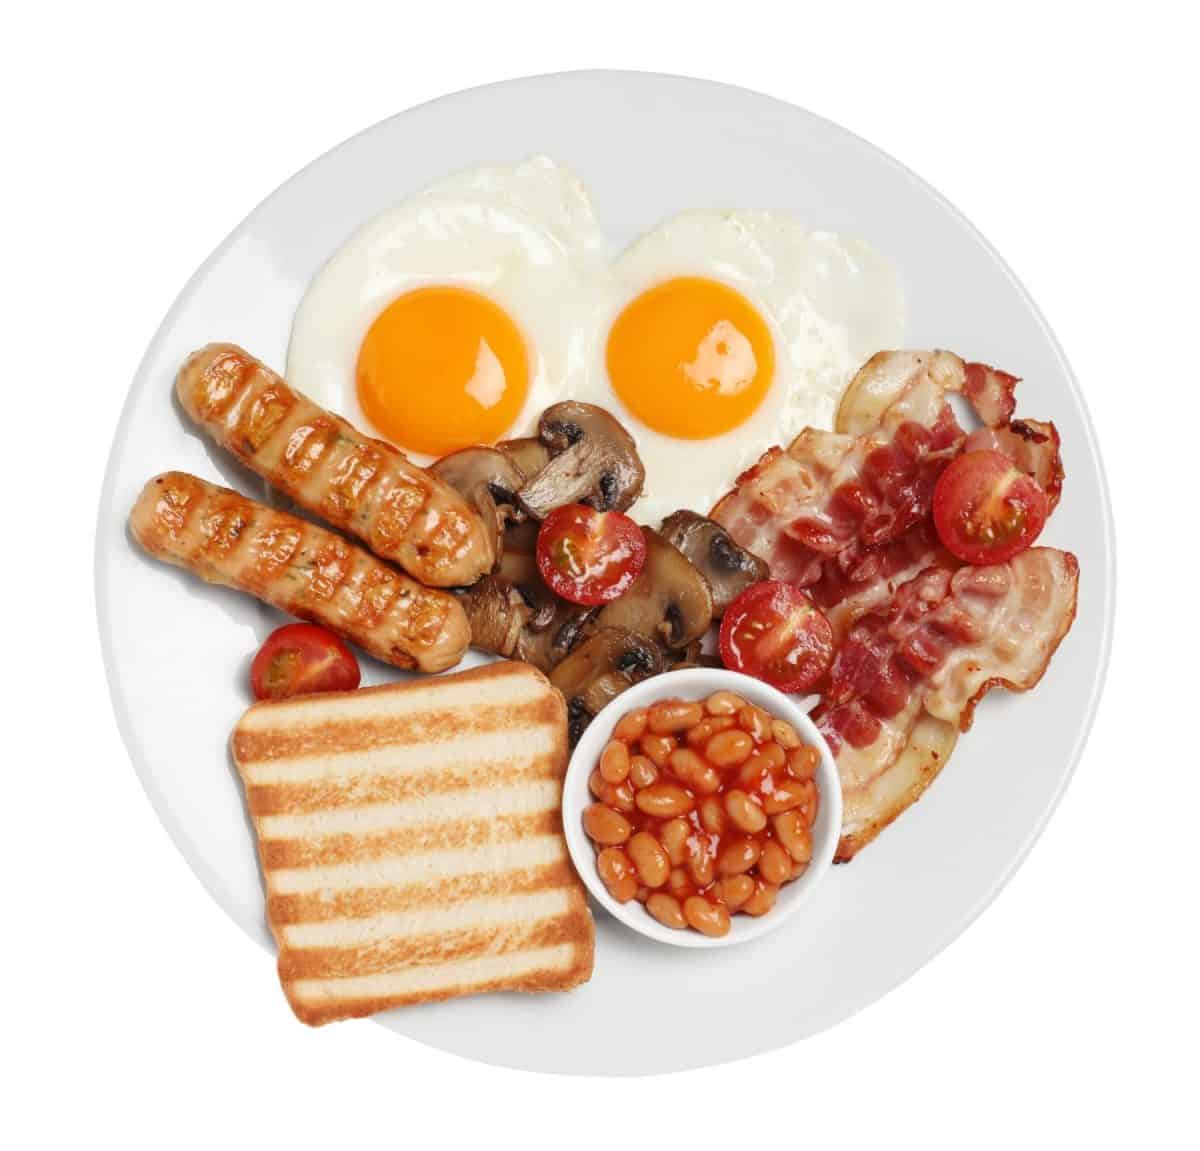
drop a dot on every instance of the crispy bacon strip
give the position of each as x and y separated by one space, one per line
870 805
847 513
991 393
831 493
948 638
888 378
860 579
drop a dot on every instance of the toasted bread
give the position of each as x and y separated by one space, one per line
411 841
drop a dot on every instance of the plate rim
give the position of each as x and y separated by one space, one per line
121 706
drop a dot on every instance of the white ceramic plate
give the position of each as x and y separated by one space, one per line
646 146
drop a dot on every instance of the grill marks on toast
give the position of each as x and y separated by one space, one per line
283 798
411 841
322 1001
447 725
308 908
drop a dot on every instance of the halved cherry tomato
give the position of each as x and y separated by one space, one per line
589 557
774 632
301 658
986 510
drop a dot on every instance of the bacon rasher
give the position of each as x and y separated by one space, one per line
905 682
846 514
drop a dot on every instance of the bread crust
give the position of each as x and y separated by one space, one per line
411 843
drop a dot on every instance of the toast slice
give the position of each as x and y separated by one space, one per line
411 841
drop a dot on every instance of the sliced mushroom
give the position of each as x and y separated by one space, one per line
669 602
543 603
489 480
729 569
507 621
518 553
554 630
529 454
498 616
599 669
594 461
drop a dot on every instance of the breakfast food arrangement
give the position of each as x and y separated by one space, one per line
711 454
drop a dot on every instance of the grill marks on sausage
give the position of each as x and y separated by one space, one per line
360 485
300 568
397 508
350 480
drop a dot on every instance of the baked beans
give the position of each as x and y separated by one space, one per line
665 908
704 809
617 873
614 762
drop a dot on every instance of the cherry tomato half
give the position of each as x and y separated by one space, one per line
301 658
986 510
589 557
774 632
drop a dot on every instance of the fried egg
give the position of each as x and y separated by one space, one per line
455 317
458 316
726 333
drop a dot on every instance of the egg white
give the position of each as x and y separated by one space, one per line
528 237
525 236
829 301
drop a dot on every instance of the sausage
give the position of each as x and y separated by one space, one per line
362 486
306 570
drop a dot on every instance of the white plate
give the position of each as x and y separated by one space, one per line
646 146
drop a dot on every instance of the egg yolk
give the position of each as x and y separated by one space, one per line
440 369
691 358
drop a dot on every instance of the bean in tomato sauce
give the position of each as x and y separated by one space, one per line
703 810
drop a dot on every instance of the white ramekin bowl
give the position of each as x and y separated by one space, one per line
698 683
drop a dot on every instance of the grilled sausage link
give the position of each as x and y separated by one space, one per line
362 486
228 539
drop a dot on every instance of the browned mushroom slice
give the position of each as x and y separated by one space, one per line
729 569
518 553
529 454
487 479
509 621
498 615
593 461
518 565
599 669
669 602
551 634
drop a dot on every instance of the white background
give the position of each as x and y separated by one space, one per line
135 137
